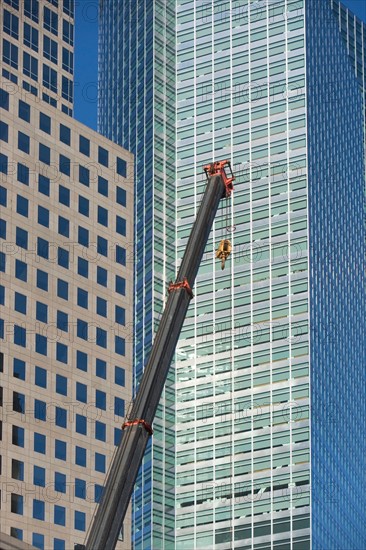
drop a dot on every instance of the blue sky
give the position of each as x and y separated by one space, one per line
86 56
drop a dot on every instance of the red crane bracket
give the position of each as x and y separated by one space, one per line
218 168
136 422
181 284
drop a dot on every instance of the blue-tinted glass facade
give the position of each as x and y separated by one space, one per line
246 78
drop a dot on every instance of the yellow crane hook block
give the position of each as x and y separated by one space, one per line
223 251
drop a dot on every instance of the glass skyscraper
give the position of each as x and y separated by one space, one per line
66 287
258 441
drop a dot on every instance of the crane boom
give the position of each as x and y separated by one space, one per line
122 474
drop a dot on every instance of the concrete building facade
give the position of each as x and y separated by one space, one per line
66 289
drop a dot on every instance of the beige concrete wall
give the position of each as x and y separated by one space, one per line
27 387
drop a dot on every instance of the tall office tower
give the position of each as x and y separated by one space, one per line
66 226
262 444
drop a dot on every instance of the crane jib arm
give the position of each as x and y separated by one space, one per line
124 468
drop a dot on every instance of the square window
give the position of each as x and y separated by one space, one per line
80 456
103 156
10 54
63 226
119 376
121 167
39 443
17 436
120 315
21 270
81 426
79 521
102 276
39 476
117 436
38 540
30 67
2 229
18 402
16 504
119 406
60 482
61 417
83 206
101 337
80 488
84 146
98 491
62 289
40 377
120 255
120 285
20 302
41 312
61 384
59 544
42 248
23 173
4 99
121 226
44 185
101 307
44 154
65 134
102 186
3 163
38 509
23 142
100 462
18 369
40 408
81 361
22 206
61 352
82 329
64 195
3 195
60 449
24 111
121 196
3 263
100 399
41 344
102 246
62 321
101 368
45 123
42 280
63 257
82 298
100 431
81 392
64 165
83 267
30 37
103 216
17 469
84 175
83 236
20 336
119 345
59 517
21 237
43 216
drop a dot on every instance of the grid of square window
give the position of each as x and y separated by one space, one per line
37 49
65 316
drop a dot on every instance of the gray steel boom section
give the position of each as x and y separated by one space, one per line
127 460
